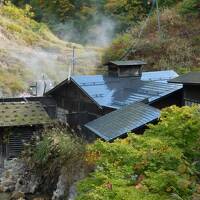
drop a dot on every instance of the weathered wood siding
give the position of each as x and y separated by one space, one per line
176 98
12 140
71 100
191 94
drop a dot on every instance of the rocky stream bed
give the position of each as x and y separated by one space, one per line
16 183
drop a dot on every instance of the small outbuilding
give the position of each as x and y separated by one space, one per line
18 122
191 87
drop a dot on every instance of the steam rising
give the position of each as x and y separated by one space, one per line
99 34
52 65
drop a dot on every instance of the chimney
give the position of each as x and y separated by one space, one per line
130 68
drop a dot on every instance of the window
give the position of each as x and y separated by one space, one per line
130 71
191 102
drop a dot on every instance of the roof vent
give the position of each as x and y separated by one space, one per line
125 68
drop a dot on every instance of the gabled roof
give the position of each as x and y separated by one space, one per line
22 114
115 92
192 78
127 63
122 121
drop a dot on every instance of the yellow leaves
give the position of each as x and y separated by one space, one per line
184 184
198 188
91 157
182 168
109 186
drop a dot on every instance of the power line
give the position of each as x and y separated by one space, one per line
158 17
134 44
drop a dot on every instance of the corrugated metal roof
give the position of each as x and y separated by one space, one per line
192 78
127 63
116 92
124 120
159 75
22 113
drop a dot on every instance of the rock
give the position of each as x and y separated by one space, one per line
72 192
196 197
8 183
17 196
2 189
61 187
27 184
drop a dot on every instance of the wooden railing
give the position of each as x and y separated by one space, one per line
191 102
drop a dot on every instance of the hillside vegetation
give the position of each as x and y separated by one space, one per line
162 164
176 46
29 50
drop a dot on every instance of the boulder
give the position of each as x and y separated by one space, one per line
1 189
17 196
196 196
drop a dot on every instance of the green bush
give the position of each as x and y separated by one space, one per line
55 151
161 164
190 7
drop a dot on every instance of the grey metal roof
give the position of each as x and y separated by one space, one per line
116 92
22 113
192 78
124 120
163 76
127 63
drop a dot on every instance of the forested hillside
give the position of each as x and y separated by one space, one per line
169 39
29 51
132 24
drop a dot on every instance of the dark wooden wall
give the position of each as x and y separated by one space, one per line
176 98
191 94
71 100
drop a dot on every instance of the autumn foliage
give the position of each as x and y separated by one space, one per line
161 164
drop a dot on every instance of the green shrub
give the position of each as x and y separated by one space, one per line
190 7
158 165
54 152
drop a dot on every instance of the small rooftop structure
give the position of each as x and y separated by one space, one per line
127 63
14 114
192 78
19 121
119 122
125 68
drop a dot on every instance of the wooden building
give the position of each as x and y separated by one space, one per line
18 122
83 99
191 87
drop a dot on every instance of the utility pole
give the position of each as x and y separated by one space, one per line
158 18
73 60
